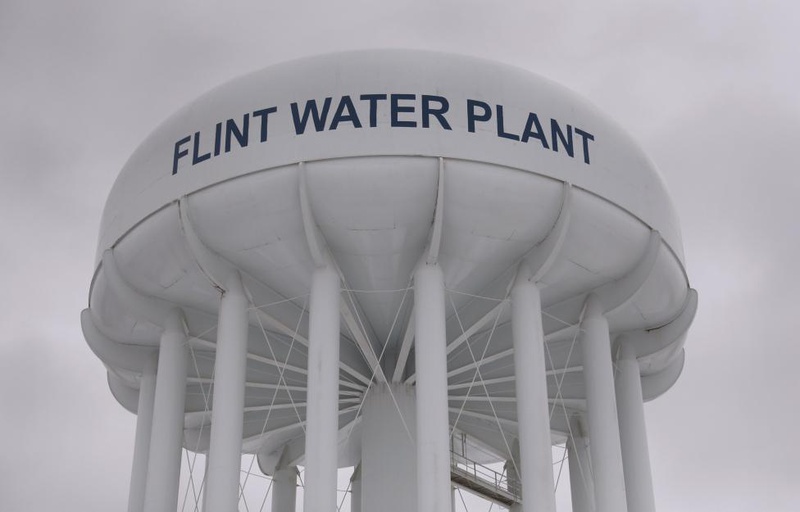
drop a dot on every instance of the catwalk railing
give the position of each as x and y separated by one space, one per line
483 480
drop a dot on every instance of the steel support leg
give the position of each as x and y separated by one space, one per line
323 392
580 475
144 427
166 438
633 433
533 414
433 452
355 490
601 405
284 489
227 415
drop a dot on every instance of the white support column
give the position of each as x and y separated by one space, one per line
633 433
533 414
323 392
388 464
580 475
433 452
284 489
512 475
227 415
166 437
144 427
601 405
355 490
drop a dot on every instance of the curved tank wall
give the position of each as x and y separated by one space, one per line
386 150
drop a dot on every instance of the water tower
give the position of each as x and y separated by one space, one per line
408 262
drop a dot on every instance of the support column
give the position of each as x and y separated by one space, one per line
633 433
512 475
284 489
144 427
580 475
227 415
388 464
533 413
355 490
166 437
433 452
323 392
601 410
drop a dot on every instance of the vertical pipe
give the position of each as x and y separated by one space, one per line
512 476
284 489
144 427
323 392
355 490
227 415
433 456
388 471
166 437
580 475
533 414
633 433
601 410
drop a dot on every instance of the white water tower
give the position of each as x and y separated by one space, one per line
408 262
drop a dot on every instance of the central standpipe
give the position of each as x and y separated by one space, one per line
322 415
601 410
166 438
388 472
430 344
227 415
533 415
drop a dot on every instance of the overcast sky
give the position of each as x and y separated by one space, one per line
710 89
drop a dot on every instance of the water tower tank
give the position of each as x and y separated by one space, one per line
395 260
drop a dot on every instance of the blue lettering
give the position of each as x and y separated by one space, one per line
472 116
196 158
557 134
217 138
533 122
396 110
240 135
438 113
373 107
179 153
263 114
339 117
310 109
586 137
500 128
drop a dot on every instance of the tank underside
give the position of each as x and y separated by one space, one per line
377 217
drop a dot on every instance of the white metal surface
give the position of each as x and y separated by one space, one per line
284 489
601 410
224 455
164 460
144 428
533 412
433 448
388 223
388 472
581 481
633 433
323 386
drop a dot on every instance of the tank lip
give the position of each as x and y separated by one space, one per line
98 260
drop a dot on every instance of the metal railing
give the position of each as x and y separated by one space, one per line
485 477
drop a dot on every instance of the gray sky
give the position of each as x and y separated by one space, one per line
711 89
